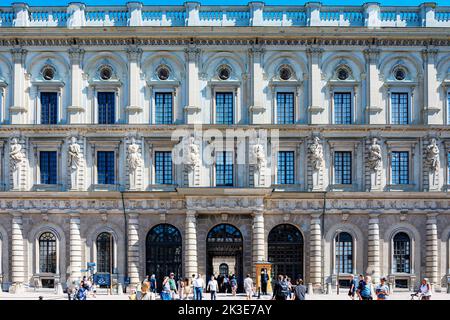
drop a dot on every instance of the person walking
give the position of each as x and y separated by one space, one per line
353 287
153 287
382 290
425 289
81 292
187 288
234 285
289 285
264 281
173 286
279 289
166 292
144 294
181 285
198 285
248 287
300 290
212 287
226 284
365 289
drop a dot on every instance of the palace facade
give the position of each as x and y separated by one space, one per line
154 139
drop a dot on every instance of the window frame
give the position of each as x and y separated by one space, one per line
343 161
342 91
58 103
411 254
37 263
400 146
233 170
233 99
167 150
97 106
97 166
294 157
40 171
353 263
153 111
104 145
294 106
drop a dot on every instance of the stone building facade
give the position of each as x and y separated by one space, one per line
313 137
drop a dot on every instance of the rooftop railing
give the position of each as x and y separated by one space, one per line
370 15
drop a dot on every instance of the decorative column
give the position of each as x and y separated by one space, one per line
256 9
373 106
190 258
259 245
315 106
75 247
257 109
133 249
76 110
315 253
373 247
192 109
134 108
17 254
18 107
431 262
431 106
135 13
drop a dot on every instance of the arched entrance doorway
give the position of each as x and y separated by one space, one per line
163 252
224 245
285 244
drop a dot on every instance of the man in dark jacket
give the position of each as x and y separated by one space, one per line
279 289
300 290
264 281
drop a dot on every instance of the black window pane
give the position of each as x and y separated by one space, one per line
163 108
163 167
342 108
105 248
285 107
105 167
344 253
400 167
47 253
285 170
224 168
399 106
343 167
402 253
106 107
48 167
224 108
49 107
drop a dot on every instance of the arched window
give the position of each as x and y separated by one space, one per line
344 253
401 253
105 247
47 253
285 244
163 251
224 269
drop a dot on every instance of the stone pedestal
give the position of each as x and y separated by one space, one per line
258 243
431 262
373 247
133 248
75 247
190 258
315 255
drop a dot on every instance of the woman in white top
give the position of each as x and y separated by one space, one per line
425 289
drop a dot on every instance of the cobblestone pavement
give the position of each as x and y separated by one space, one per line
334 296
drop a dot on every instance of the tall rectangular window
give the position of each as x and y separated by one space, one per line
400 167
343 167
105 167
285 169
49 107
163 167
342 108
224 108
106 107
48 167
224 169
399 106
163 107
285 107
448 107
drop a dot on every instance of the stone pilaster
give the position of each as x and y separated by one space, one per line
373 106
192 109
18 107
17 254
133 248
432 107
373 247
75 247
134 108
76 109
257 107
315 106
315 252
431 262
190 258
258 244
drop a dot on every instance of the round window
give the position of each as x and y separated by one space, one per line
400 74
285 73
163 73
224 73
48 73
105 73
342 74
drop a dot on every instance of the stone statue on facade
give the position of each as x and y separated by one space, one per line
260 156
75 154
134 160
192 153
316 152
16 155
433 155
374 159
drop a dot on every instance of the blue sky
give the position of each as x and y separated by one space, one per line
223 2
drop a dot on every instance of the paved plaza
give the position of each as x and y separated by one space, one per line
221 296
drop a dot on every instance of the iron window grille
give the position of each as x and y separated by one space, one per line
47 253
344 253
402 253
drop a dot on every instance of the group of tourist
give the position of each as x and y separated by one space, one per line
86 288
283 289
363 289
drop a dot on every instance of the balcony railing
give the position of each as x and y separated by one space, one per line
77 15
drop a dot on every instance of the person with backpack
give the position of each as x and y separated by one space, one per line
81 292
365 289
425 289
300 291
353 287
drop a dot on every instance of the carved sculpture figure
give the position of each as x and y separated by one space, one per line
193 153
260 157
16 154
134 157
374 158
433 155
75 154
316 151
